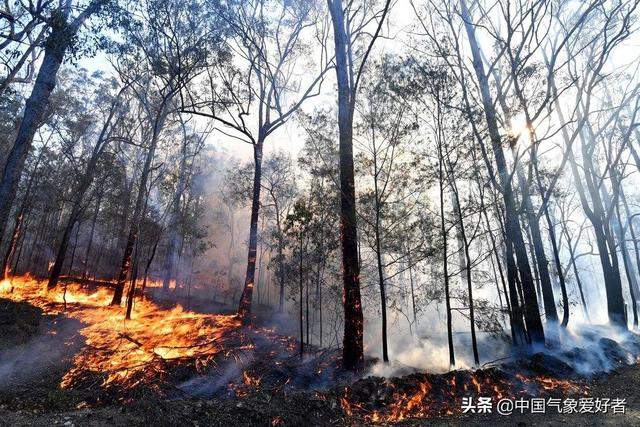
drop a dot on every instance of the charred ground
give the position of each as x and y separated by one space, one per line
255 376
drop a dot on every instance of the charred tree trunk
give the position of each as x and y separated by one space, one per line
85 263
140 201
132 288
412 287
280 270
300 286
467 260
507 297
378 250
146 268
558 263
73 251
631 228
616 224
608 260
538 248
306 310
445 261
352 350
244 308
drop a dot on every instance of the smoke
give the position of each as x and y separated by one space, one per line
424 347
55 343
587 348
213 383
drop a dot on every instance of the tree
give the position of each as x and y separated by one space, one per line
104 137
64 28
382 132
349 70
268 38
297 223
512 226
163 54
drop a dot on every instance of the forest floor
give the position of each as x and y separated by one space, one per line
263 383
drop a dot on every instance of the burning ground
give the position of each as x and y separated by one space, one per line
81 362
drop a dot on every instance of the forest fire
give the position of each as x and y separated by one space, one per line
243 212
121 352
159 349
430 395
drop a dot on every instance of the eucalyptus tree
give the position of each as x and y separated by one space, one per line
190 147
97 124
353 42
512 226
278 194
64 23
318 163
23 28
269 72
609 30
279 186
382 133
297 228
165 46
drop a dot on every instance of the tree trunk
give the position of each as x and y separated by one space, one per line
300 298
636 250
616 224
172 251
411 283
146 268
378 250
572 257
445 261
280 270
244 308
132 288
85 182
611 276
85 263
73 251
558 263
466 260
513 232
352 350
140 201
538 248
56 46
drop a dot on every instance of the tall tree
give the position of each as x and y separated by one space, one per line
268 38
347 29
512 225
161 55
64 26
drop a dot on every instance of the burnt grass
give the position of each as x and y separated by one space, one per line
261 380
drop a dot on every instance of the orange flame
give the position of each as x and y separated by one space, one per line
126 352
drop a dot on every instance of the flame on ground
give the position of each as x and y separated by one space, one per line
123 352
140 351
428 395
